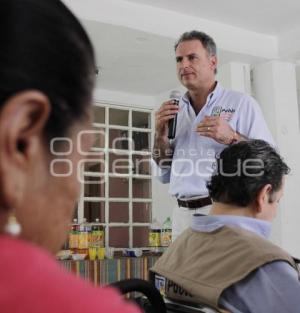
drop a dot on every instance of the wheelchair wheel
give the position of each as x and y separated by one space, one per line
153 303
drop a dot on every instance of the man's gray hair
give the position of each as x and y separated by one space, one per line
207 42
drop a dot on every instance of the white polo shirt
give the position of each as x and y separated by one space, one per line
194 155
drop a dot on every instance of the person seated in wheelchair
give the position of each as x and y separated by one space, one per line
225 260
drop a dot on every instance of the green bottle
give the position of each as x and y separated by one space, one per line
166 233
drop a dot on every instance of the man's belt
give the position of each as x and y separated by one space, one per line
194 204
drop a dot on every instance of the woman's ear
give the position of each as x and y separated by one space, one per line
22 122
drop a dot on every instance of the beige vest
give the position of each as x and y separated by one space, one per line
205 264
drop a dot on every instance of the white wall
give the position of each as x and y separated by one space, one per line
236 76
124 98
298 90
275 89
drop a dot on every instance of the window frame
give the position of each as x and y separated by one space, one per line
130 176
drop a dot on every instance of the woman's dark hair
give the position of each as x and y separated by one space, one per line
243 170
45 48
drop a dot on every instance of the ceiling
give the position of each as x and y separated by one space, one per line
263 16
137 62
134 61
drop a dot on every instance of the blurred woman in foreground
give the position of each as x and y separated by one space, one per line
46 80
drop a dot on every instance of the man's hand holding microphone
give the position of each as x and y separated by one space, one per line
165 129
166 117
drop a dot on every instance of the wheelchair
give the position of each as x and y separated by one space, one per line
151 300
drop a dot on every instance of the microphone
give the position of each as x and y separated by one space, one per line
175 96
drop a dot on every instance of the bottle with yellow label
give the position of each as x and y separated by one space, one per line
154 235
73 236
83 239
166 233
97 236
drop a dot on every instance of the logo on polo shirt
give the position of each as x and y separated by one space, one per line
216 111
225 113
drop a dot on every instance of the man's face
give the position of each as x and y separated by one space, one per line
195 68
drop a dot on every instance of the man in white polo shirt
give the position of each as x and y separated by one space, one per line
209 118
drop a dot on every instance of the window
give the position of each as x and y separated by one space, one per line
117 186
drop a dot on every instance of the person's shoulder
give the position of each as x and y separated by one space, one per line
32 275
73 294
16 249
237 95
243 101
276 281
229 98
259 246
276 273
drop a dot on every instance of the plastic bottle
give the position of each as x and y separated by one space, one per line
88 229
154 235
83 241
73 236
92 236
166 233
97 239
